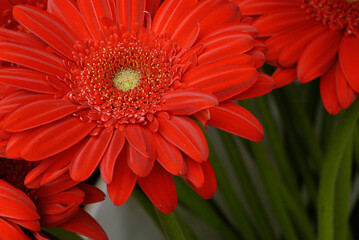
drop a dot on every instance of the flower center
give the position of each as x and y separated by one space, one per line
123 80
126 79
337 14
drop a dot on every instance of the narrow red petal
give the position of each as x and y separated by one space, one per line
39 113
235 119
209 187
85 225
139 164
170 15
136 136
25 79
89 156
92 12
318 56
349 60
66 11
16 204
11 231
284 76
109 158
169 156
160 189
194 173
123 181
186 135
34 58
56 137
225 44
263 85
131 14
328 92
47 27
17 142
346 94
279 20
187 102
258 7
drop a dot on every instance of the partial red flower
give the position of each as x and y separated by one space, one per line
24 210
311 39
117 84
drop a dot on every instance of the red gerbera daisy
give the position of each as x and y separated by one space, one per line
310 39
24 210
117 84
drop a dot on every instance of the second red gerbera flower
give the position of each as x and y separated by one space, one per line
311 39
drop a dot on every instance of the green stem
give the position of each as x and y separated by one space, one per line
253 201
343 185
171 226
333 157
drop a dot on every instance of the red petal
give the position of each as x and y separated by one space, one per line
210 183
87 159
56 137
109 158
47 27
225 82
123 181
92 12
85 225
349 60
235 119
263 85
21 38
279 20
169 156
194 173
318 56
16 204
17 142
139 164
25 79
346 95
328 91
92 194
131 14
34 58
39 113
186 135
160 189
137 137
70 15
28 224
296 45
225 44
187 102
11 231
284 76
258 7
202 116
170 16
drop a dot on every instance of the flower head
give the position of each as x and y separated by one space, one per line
117 85
24 210
311 39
